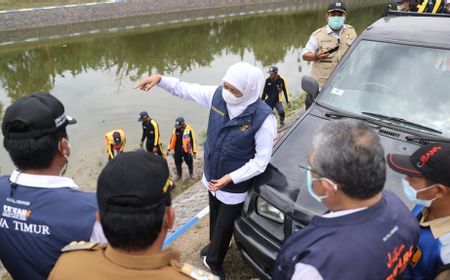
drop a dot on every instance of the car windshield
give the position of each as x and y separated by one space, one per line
407 86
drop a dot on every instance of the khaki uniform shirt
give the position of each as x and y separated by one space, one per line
103 262
322 69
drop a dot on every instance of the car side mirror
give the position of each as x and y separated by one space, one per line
311 86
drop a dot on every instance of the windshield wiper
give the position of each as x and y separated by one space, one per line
427 140
336 115
400 120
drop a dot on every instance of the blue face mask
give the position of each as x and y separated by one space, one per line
336 23
411 194
309 186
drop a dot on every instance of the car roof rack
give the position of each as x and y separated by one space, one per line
389 12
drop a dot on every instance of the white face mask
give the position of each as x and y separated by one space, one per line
411 194
231 98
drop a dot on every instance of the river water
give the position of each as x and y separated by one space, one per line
95 76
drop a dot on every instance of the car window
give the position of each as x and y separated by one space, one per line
400 81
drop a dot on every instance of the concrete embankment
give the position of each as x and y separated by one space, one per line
29 25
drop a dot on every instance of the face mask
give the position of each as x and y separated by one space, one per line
309 186
230 98
411 194
336 23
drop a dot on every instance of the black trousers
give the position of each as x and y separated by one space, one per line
178 157
221 228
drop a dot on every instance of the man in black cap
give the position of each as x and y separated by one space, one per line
135 211
328 44
42 211
150 131
427 185
183 143
273 87
115 142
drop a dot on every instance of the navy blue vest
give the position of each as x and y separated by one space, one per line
230 144
37 222
375 243
428 259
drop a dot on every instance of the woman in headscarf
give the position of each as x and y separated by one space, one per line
240 135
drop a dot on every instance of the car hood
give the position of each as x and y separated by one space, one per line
283 183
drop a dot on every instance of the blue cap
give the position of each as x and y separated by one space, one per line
142 115
273 69
179 122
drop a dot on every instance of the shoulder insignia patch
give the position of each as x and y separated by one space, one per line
196 273
76 246
215 109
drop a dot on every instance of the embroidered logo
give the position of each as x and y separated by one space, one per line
15 213
245 127
424 159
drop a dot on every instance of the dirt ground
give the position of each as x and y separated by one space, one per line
190 244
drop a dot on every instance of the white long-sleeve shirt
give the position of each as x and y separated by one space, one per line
263 138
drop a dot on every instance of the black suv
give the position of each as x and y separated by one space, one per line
396 77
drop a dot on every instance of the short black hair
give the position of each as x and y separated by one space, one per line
33 153
132 231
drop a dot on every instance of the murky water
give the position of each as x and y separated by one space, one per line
95 76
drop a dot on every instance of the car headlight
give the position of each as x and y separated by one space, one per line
268 211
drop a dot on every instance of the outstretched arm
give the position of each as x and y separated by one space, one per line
195 92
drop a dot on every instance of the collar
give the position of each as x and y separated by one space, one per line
331 31
342 212
41 181
438 227
154 261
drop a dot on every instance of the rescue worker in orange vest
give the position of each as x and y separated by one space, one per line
183 143
328 44
115 142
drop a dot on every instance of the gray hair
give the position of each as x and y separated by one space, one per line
349 153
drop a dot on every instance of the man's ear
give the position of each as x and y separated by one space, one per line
442 190
64 146
169 217
330 187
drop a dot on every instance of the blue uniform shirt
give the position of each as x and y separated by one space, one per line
433 249
40 215
374 243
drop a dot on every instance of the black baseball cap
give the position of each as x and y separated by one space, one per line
179 122
134 183
34 116
142 115
337 6
431 161
273 69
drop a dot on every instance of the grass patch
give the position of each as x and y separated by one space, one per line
296 103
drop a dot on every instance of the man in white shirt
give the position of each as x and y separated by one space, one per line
328 44
42 211
368 233
241 130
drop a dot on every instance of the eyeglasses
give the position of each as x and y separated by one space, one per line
321 176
